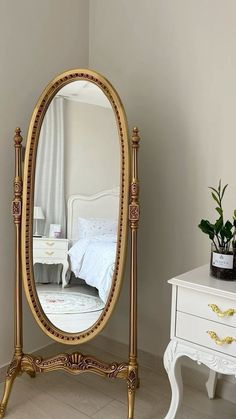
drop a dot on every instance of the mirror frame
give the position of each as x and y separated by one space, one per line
28 202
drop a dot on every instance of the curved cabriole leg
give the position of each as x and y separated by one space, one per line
173 369
12 372
6 395
64 274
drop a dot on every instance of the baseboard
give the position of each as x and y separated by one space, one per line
194 375
119 349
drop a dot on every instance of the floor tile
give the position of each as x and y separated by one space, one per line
27 402
217 408
74 393
114 410
58 395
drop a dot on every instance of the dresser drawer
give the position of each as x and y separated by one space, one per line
50 244
194 329
50 253
197 303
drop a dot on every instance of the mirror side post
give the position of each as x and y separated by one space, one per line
133 380
14 368
17 212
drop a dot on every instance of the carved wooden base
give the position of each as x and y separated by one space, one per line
74 363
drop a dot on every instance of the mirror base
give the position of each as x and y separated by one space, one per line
75 363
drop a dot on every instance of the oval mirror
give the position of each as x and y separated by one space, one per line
75 205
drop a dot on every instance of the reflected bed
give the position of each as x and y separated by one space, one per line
94 239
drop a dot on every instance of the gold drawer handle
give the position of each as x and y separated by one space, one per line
49 253
50 243
227 340
227 313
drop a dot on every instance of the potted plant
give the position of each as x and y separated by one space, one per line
223 237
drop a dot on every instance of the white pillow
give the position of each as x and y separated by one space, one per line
90 227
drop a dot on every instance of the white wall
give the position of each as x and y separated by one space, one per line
173 64
38 40
92 155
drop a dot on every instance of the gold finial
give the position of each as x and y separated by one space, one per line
135 136
18 138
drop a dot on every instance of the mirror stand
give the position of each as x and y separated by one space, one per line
74 363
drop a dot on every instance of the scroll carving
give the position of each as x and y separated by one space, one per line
74 363
18 186
218 363
132 379
13 368
169 355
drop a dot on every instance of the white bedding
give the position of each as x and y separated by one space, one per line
93 259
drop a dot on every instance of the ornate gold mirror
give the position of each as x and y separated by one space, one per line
72 223
75 219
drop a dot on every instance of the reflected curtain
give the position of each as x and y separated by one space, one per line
49 181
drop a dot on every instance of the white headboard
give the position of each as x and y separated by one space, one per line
104 204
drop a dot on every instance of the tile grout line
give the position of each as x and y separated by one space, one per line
101 408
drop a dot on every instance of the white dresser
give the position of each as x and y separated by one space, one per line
203 328
52 251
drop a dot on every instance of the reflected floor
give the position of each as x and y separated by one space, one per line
71 322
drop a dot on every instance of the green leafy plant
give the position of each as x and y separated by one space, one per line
222 234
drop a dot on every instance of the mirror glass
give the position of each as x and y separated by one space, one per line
76 206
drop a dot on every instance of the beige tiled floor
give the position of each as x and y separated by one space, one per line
58 395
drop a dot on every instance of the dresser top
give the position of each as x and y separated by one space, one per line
201 280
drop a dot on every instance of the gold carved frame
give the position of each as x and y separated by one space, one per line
76 362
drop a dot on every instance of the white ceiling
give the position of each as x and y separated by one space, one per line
85 92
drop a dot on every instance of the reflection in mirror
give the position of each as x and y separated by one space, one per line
76 206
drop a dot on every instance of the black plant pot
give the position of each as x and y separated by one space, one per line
223 265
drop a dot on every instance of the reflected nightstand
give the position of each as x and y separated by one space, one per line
52 251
